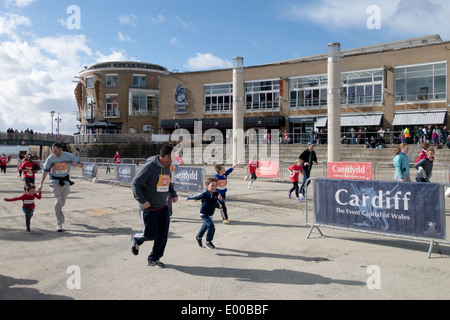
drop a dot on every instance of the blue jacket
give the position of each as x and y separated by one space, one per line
401 163
222 181
208 202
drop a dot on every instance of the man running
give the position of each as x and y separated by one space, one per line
58 165
151 187
309 158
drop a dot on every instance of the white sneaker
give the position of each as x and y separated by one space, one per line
59 228
300 198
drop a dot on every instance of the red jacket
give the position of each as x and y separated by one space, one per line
28 201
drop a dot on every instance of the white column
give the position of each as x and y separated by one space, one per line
334 102
238 108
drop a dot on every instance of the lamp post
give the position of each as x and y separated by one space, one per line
58 120
52 113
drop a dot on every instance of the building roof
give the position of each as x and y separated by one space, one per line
126 65
389 46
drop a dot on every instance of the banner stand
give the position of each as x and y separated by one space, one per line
313 225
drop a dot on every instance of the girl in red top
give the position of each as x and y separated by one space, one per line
251 168
28 202
295 171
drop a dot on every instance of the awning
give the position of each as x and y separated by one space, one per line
177 123
361 120
298 120
103 124
420 118
217 122
272 121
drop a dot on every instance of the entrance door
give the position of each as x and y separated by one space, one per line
297 134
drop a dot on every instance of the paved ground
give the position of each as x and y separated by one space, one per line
263 254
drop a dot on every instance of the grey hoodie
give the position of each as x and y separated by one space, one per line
145 182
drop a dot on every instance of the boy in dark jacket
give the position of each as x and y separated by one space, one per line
209 200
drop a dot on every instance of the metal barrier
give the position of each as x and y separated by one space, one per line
386 171
316 225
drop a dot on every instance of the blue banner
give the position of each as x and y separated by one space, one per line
89 170
125 172
189 179
413 209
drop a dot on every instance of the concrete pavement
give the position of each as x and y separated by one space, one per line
263 254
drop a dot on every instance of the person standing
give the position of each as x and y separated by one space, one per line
401 163
117 158
3 161
29 168
58 166
309 158
424 167
151 188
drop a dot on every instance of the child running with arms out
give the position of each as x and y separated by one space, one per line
28 202
294 172
221 176
209 199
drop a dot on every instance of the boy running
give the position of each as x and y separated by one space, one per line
209 198
222 188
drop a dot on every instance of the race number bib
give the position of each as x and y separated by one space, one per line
221 184
60 168
163 183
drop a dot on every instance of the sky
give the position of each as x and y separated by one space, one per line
44 44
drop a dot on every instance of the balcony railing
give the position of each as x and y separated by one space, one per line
111 114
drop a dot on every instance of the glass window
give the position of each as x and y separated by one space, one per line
112 106
89 82
112 80
144 104
138 81
262 95
423 82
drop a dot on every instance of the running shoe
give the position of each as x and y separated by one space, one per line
156 263
289 195
199 241
134 246
226 221
210 245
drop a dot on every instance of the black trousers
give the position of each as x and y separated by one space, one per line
223 208
155 226
295 187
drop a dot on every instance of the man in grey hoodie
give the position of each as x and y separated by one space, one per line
151 188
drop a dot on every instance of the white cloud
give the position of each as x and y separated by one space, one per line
10 22
128 19
204 61
114 56
174 41
19 3
123 38
37 75
158 19
398 17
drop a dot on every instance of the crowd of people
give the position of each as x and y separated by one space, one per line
11 130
